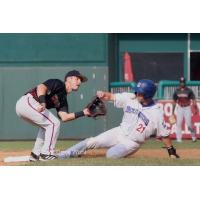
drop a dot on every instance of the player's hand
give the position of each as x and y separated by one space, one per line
172 119
86 112
195 110
100 94
41 107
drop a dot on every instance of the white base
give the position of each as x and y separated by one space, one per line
16 159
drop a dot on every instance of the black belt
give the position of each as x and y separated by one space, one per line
34 96
184 105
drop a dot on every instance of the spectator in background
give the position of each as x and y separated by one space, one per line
184 98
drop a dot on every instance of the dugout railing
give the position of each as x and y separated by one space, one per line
165 88
119 87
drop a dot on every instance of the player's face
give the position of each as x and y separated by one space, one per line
75 83
182 84
140 98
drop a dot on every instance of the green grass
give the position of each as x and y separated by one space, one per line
102 161
186 144
28 145
118 162
150 144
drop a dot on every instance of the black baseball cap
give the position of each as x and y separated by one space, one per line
76 73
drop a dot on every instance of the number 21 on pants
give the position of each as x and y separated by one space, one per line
140 128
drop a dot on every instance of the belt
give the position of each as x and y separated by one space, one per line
184 105
34 95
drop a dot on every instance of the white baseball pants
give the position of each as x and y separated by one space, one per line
119 145
49 125
184 112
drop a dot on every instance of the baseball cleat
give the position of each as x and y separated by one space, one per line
33 157
46 157
194 140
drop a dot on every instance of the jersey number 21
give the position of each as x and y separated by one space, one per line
141 128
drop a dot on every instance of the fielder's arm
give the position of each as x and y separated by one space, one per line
175 98
174 106
41 93
194 103
71 116
107 96
41 90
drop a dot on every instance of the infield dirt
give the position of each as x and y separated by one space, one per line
148 153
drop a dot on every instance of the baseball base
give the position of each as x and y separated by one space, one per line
16 159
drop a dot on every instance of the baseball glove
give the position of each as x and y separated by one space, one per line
96 107
172 119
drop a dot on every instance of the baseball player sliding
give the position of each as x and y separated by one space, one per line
142 119
34 107
183 97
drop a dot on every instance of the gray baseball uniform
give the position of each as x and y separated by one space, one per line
49 125
183 96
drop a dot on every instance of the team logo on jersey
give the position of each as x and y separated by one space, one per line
182 95
129 109
140 115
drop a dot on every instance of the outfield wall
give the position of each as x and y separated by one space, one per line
167 107
29 59
19 80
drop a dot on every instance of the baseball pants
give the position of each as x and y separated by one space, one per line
117 143
49 125
184 112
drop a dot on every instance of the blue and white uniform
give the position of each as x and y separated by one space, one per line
138 124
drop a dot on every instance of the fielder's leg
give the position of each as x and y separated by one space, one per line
179 116
188 121
51 133
26 108
38 145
